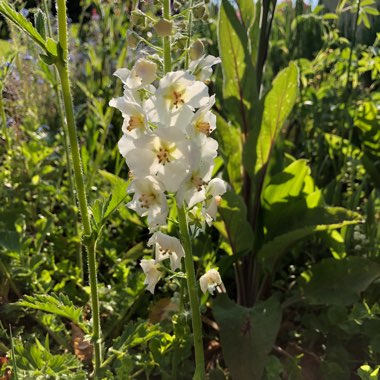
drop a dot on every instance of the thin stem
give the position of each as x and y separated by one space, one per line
89 238
13 355
189 33
192 289
4 122
166 40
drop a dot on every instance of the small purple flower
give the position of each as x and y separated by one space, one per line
24 12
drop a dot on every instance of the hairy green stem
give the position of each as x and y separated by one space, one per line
166 40
189 33
193 295
89 239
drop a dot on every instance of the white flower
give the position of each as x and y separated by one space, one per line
159 114
180 88
164 153
167 247
152 272
209 281
204 121
149 200
135 119
142 74
192 189
215 188
201 68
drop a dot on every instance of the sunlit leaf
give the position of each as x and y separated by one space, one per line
21 22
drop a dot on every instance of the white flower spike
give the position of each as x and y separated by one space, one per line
152 272
167 247
209 281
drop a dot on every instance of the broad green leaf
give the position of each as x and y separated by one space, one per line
230 148
235 227
247 10
298 222
287 184
56 304
21 22
238 86
338 282
10 240
334 240
277 106
247 335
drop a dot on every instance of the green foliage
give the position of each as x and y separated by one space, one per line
338 282
35 361
277 106
247 335
22 23
56 304
234 226
238 92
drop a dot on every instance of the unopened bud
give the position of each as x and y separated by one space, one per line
180 41
199 11
132 39
164 28
196 50
138 18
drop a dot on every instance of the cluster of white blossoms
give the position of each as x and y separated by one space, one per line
168 149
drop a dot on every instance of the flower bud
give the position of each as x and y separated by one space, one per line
138 18
180 41
196 50
164 28
199 11
132 39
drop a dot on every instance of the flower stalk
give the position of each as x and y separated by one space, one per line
89 238
166 39
192 288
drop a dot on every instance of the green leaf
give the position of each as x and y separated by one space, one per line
40 23
230 148
297 222
56 304
10 240
235 228
287 184
21 22
247 335
238 86
52 47
277 106
338 282
119 191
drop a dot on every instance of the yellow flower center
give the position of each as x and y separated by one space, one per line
146 200
135 122
198 182
163 156
203 127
